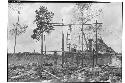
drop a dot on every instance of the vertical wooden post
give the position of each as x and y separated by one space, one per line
93 58
45 44
96 44
82 37
96 52
79 39
55 57
68 43
42 43
83 34
82 45
45 49
90 45
62 49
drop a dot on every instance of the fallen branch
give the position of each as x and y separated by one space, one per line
51 74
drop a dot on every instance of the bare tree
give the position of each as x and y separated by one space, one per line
17 29
82 13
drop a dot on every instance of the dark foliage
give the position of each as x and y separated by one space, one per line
43 19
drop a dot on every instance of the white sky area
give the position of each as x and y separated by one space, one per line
111 19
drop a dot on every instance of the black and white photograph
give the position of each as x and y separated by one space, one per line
64 41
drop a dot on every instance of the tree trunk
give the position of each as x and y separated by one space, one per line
16 34
15 40
42 43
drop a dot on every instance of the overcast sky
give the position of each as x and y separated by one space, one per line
111 19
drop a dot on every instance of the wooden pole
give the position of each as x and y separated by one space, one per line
96 44
42 43
45 43
82 45
45 49
96 52
82 37
79 39
68 43
62 49
93 58
83 34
